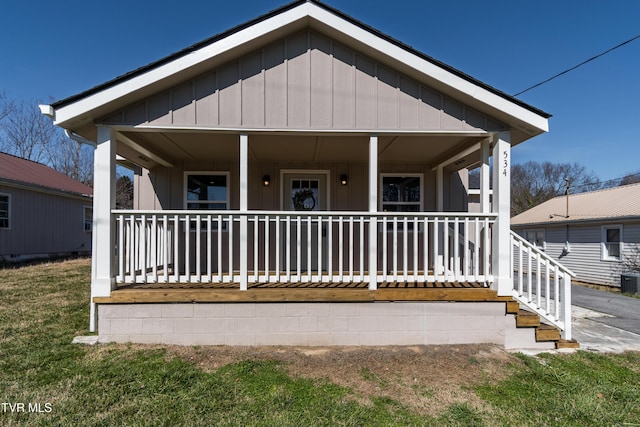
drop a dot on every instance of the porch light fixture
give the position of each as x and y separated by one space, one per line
266 180
344 180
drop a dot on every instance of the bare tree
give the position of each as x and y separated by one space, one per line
26 133
124 192
533 183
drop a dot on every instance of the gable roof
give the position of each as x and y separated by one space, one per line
14 170
78 110
616 203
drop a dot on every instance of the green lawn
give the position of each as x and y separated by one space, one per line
43 307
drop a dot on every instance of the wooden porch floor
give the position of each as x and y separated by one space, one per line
300 292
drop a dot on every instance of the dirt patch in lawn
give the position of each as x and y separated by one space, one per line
427 379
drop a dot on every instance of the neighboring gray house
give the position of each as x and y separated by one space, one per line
43 213
590 233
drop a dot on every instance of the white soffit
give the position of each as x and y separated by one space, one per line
72 112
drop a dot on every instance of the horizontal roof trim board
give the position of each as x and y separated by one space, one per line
303 14
319 131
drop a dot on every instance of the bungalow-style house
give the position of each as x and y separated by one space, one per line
591 233
43 213
302 180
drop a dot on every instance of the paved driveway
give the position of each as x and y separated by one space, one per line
605 321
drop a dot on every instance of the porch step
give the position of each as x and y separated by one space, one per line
546 332
567 344
527 319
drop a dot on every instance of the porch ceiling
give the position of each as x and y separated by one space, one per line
149 149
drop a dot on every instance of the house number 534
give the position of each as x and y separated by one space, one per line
505 162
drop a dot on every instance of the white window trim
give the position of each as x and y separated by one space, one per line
217 173
401 175
284 172
8 196
536 230
84 222
604 255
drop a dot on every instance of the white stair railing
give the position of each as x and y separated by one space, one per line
541 284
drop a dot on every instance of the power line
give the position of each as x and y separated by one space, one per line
579 65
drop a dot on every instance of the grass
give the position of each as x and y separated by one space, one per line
42 307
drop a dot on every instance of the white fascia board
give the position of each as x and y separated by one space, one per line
91 102
432 70
85 105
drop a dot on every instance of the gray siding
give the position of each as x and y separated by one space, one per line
163 188
43 223
585 256
305 81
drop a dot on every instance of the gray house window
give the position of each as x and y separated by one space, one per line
401 193
5 211
207 190
88 219
535 237
611 242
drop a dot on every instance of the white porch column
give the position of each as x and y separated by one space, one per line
104 200
485 187
501 249
244 206
373 208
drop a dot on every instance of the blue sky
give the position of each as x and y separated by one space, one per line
57 49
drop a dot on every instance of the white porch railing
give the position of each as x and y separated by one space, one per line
542 284
317 247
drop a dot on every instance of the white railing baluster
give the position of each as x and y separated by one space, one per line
154 248
362 249
230 226
198 252
385 250
437 265
415 249
330 248
455 265
466 255
209 254
425 248
395 249
405 248
219 232
340 249
166 249
267 243
350 249
287 243
256 255
319 266
121 246
309 254
299 248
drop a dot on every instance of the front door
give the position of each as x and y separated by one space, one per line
305 192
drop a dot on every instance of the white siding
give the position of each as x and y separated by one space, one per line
585 256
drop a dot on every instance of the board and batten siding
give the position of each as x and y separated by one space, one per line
163 188
44 224
585 255
305 81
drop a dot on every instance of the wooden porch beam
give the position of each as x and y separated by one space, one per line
128 141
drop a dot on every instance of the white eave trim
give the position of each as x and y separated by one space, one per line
304 11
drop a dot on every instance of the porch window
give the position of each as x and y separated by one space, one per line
401 193
209 191
535 237
5 210
611 242
88 219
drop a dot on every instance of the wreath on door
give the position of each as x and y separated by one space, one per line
304 200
